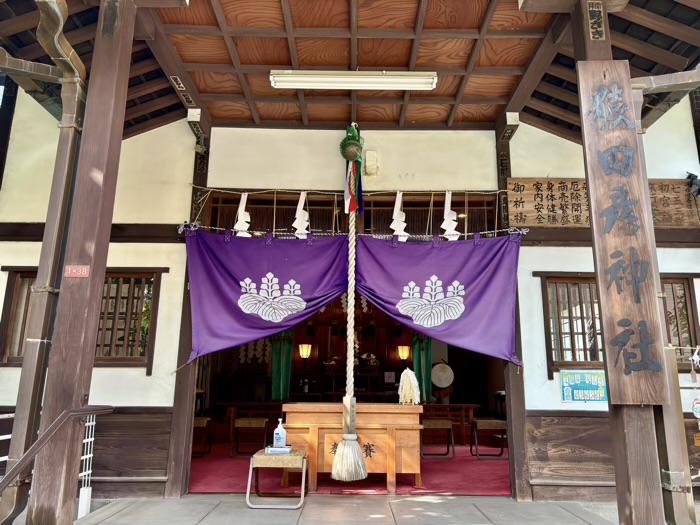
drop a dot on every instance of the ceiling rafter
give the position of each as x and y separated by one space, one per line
471 62
554 111
155 104
660 24
146 88
75 37
491 71
565 73
289 28
420 19
553 91
648 51
693 4
28 21
551 127
155 122
364 125
345 100
235 60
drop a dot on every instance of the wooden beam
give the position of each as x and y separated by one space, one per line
506 126
235 60
368 125
152 105
55 480
162 4
564 6
550 127
146 88
590 31
693 4
143 67
471 62
354 12
562 72
420 18
570 97
684 80
660 24
539 63
77 36
145 28
649 51
554 111
167 59
148 125
289 28
30 20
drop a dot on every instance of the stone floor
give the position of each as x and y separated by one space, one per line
348 510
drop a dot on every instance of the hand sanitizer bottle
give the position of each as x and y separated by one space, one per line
280 436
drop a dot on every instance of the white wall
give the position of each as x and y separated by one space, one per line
121 386
669 146
153 185
540 392
310 159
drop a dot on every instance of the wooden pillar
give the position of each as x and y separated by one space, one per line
180 447
623 253
55 480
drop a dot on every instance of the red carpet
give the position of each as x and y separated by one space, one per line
218 473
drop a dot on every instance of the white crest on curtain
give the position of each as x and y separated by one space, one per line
242 218
301 218
449 223
398 224
434 307
270 303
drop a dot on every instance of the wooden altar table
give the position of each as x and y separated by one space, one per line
389 435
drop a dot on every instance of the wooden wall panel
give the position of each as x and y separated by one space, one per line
333 112
563 449
259 85
508 16
274 111
428 112
478 112
387 14
490 86
267 51
323 51
378 113
388 52
199 13
214 82
253 13
506 52
320 13
201 49
443 53
229 110
455 14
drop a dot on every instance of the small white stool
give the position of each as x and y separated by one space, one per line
296 459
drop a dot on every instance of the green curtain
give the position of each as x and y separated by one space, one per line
282 348
422 348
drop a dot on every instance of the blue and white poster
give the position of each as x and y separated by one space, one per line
583 386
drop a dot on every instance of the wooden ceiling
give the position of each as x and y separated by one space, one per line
216 56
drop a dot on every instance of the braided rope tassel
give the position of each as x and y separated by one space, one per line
348 463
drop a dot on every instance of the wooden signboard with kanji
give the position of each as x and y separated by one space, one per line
623 236
563 203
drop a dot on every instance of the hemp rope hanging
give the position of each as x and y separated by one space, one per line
349 463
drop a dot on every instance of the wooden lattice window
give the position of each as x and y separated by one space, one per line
127 324
573 329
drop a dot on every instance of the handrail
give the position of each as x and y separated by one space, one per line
54 427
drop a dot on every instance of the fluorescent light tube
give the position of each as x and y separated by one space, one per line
408 80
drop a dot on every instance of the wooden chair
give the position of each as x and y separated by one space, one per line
501 428
443 424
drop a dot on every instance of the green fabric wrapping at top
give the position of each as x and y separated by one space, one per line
422 348
282 347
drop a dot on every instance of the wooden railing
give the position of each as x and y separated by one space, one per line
26 460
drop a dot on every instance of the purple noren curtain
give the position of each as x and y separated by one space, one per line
244 289
460 292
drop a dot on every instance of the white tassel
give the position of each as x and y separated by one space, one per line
348 464
409 391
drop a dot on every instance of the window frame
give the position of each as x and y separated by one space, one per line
578 277
10 300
